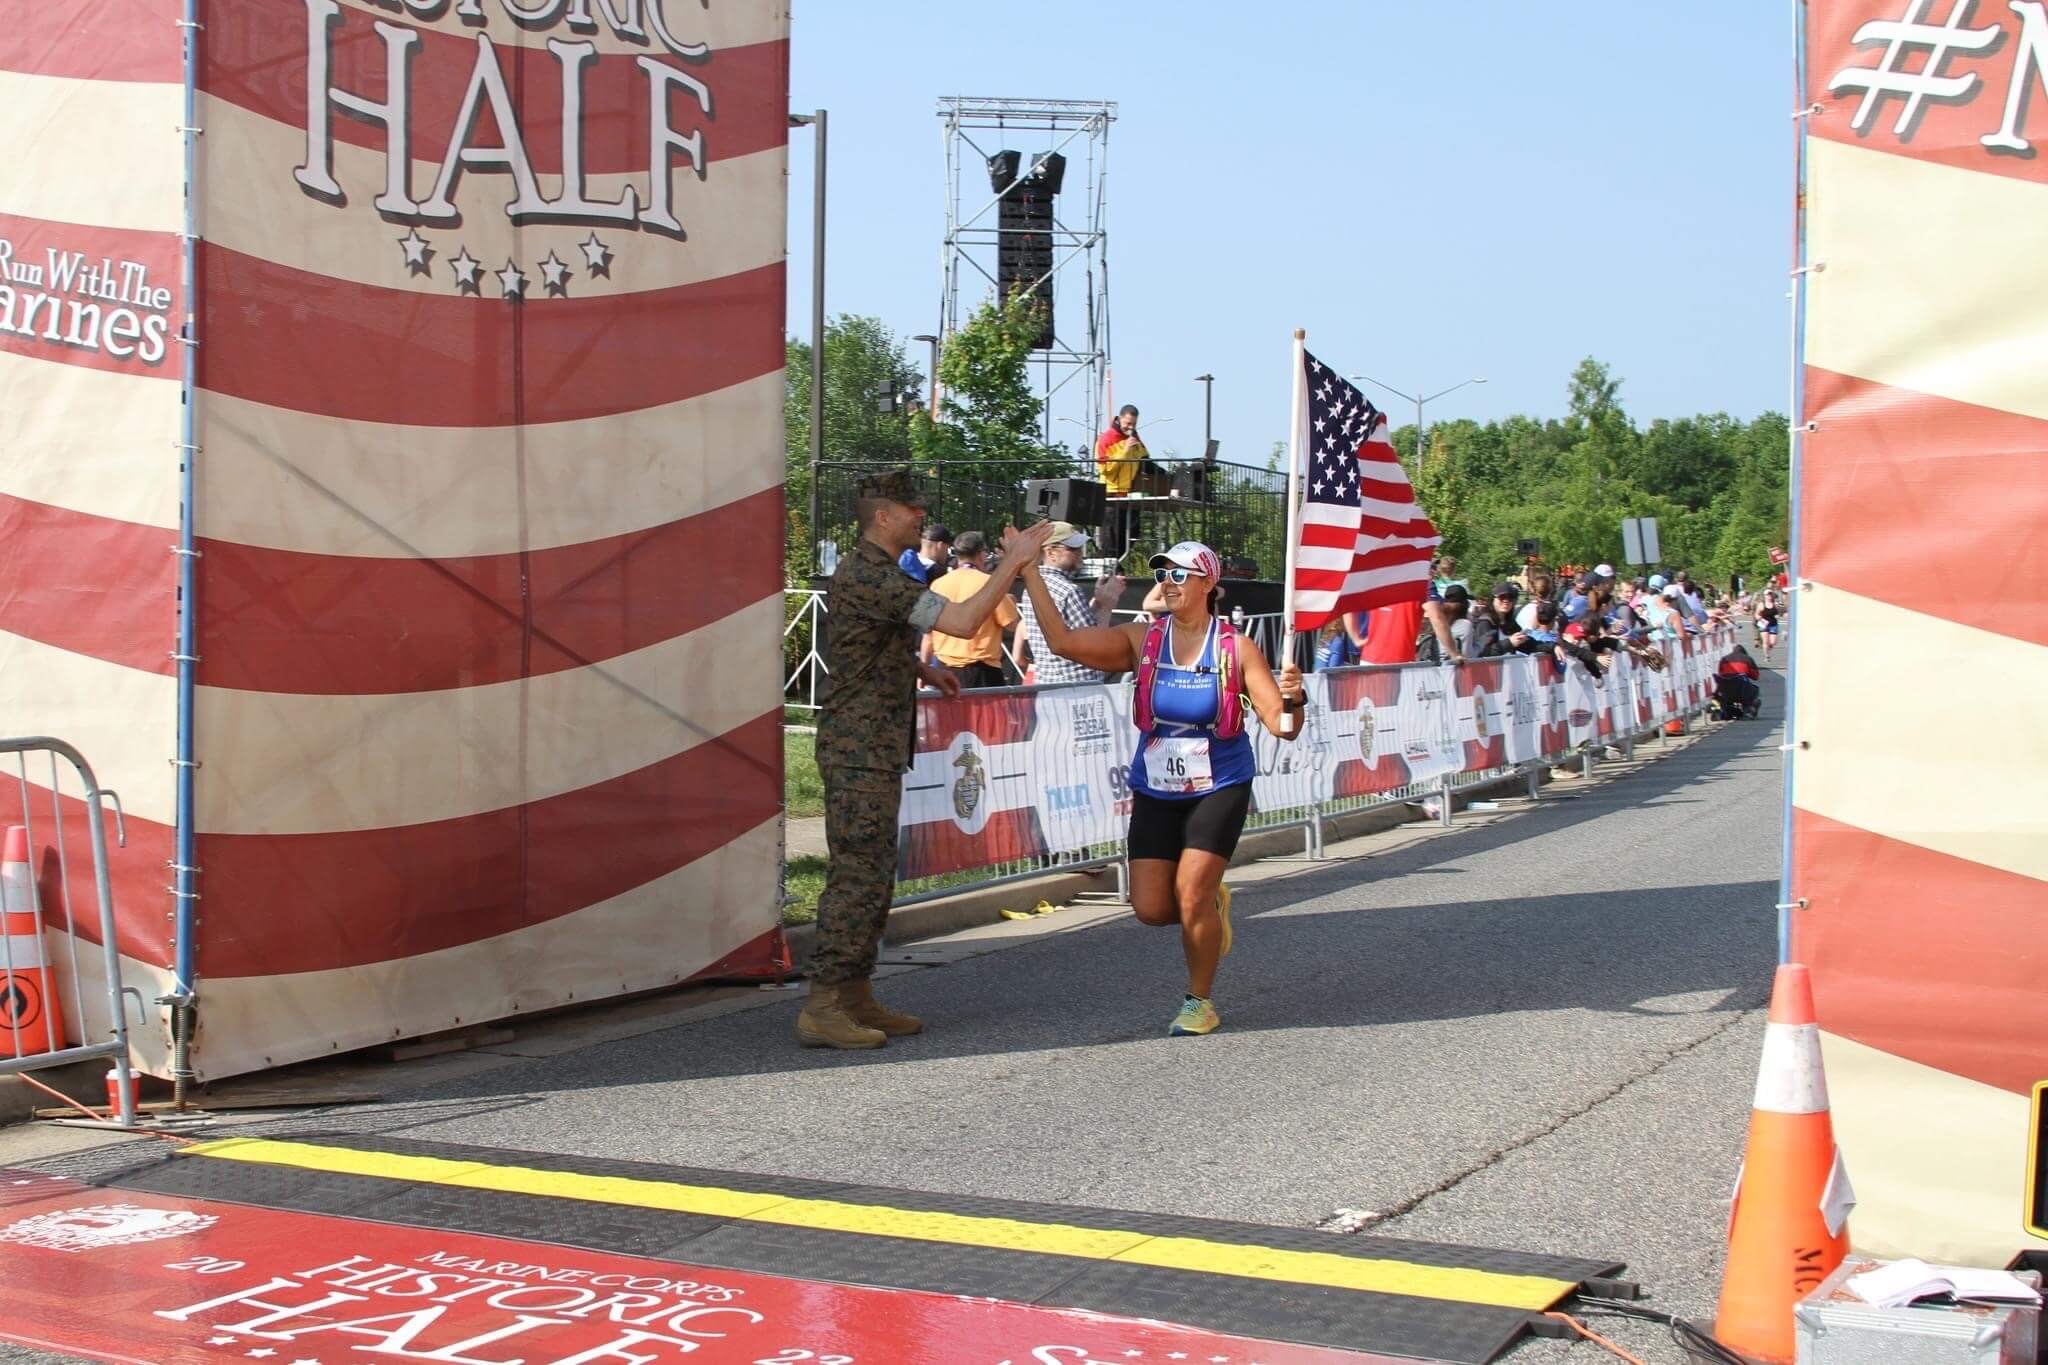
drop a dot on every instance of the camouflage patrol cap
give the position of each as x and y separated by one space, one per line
897 485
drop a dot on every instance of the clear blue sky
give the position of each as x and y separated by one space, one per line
1434 191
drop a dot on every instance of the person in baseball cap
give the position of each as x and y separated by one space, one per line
1192 555
1068 536
1200 687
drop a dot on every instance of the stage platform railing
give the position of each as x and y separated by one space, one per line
1240 511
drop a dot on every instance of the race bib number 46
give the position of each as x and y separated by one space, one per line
1179 764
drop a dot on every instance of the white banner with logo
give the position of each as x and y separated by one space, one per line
1005 777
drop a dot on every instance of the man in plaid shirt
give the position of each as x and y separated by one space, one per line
1062 561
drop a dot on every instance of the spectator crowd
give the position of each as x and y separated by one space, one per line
1587 616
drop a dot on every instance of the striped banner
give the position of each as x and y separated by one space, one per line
489 396
1919 843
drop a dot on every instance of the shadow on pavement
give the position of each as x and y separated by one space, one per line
1582 925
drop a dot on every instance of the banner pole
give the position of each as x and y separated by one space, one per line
1296 439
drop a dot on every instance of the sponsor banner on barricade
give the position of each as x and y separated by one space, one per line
1001 777
1005 775
1482 705
1581 694
1293 774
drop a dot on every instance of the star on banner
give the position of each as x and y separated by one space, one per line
597 256
555 276
468 272
512 279
417 252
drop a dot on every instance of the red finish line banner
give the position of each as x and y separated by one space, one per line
127 1276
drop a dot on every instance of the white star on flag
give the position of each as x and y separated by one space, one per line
512 279
468 272
261 1353
597 256
555 275
220 1341
417 252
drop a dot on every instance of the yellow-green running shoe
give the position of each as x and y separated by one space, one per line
1197 1016
1223 909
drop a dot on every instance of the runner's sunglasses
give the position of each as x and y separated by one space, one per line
1172 575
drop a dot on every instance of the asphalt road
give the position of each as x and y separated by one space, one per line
1539 1032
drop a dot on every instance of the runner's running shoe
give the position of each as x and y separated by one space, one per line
1196 1016
1223 909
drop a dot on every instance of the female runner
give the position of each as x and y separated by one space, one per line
1191 781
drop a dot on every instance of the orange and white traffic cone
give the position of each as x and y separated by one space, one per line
28 994
1790 1224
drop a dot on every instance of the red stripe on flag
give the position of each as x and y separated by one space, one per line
303 341
1308 579
1929 957
95 40
56 321
1924 468
1365 530
279 621
1381 490
254 57
316 902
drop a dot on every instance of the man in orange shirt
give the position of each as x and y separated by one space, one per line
977 660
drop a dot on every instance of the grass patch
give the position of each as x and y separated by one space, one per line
803 882
802 789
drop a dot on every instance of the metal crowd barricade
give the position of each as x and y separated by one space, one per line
803 657
1063 771
18 1060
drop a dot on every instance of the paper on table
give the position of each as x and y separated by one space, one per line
1901 1282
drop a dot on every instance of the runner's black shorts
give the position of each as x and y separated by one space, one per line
1212 822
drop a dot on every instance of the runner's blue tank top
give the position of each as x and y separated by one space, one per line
1184 706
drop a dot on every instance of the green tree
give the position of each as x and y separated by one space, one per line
990 404
868 422
1717 485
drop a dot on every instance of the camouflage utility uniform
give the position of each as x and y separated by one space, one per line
875 613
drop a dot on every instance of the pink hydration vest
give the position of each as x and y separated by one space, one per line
1230 707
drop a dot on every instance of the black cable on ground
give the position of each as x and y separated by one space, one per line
1697 1344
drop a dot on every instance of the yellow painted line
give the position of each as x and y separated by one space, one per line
1322 1268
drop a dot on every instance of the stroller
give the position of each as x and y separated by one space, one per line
1736 693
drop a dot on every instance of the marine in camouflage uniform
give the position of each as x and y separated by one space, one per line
875 615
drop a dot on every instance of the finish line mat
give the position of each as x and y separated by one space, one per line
309 1251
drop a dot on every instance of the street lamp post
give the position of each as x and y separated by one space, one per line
816 120
1208 383
934 370
1418 400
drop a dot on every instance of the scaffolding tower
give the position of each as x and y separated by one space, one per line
1073 372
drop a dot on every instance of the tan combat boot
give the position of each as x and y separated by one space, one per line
859 999
826 1022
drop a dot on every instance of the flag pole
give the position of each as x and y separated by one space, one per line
1296 439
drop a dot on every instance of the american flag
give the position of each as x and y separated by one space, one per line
1364 542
